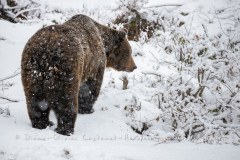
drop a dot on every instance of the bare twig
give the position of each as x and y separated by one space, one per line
151 73
220 24
191 23
125 82
9 77
160 60
8 99
228 87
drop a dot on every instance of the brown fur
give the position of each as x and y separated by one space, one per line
63 67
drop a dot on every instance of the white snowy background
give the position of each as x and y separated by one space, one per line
173 125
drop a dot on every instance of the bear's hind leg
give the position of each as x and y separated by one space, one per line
38 111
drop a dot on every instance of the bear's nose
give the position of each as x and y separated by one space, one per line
135 67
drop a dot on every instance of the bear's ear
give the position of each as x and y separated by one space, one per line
122 34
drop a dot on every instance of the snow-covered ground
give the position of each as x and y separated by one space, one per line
107 133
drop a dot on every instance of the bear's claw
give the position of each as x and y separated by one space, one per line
85 111
64 131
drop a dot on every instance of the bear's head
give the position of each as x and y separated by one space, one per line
119 57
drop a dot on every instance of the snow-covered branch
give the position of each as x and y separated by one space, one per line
26 10
163 5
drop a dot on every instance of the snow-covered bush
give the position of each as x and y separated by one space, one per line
203 97
28 11
200 100
132 15
15 11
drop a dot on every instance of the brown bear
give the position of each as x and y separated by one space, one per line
63 67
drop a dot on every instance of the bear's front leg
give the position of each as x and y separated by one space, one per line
66 113
86 98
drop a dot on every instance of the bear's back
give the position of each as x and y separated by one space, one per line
50 39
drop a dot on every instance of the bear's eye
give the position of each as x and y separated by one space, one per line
116 52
